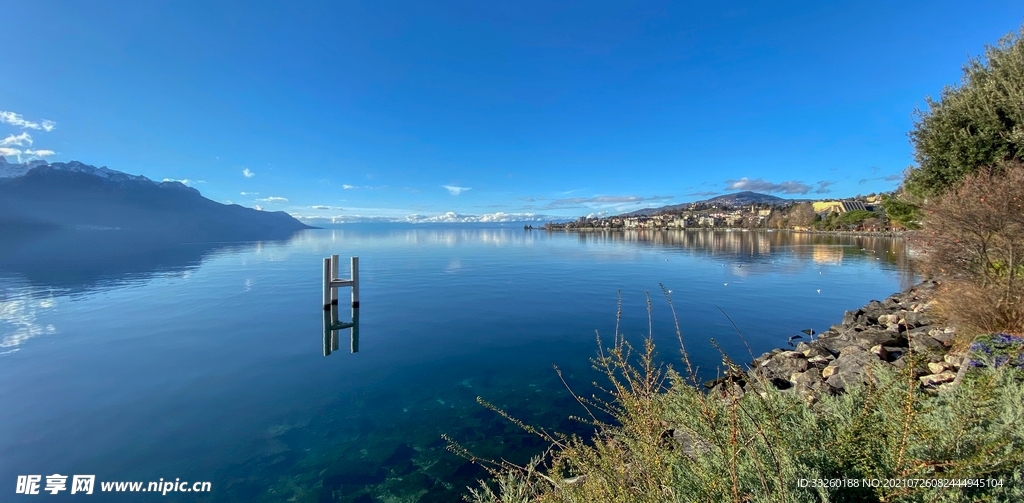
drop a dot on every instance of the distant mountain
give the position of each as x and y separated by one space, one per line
745 198
39 195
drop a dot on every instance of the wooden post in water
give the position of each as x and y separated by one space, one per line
334 276
332 282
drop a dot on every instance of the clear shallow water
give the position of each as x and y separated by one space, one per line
205 363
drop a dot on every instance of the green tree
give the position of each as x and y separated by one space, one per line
855 217
901 212
976 124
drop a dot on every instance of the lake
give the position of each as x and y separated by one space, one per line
205 362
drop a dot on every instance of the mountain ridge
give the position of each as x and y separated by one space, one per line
744 198
74 195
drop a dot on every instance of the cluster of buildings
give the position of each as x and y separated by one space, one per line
702 215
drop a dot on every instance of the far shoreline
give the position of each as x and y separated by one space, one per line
891 234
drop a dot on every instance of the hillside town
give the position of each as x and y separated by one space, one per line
860 213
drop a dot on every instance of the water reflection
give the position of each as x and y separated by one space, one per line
72 262
333 327
21 318
459 313
752 248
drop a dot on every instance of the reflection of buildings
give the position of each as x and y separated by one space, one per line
332 327
714 242
827 254
758 245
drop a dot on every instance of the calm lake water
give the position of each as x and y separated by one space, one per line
205 362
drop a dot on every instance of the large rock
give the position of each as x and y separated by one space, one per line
936 379
873 310
944 336
914 319
850 317
848 369
784 364
928 347
833 341
874 337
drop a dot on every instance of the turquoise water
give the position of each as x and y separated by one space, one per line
205 362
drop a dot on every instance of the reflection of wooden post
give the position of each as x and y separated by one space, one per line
328 333
355 283
334 325
354 335
327 283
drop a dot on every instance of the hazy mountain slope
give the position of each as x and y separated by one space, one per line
76 195
745 198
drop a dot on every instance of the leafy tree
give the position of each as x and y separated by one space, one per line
855 217
977 124
901 212
801 214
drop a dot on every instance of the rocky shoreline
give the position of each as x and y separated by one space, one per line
882 331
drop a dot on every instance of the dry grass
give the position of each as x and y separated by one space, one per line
974 236
977 309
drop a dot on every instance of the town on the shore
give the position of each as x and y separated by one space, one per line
755 211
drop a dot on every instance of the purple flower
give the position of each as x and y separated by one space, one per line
981 346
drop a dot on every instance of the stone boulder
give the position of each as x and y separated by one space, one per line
784 364
848 369
928 347
874 337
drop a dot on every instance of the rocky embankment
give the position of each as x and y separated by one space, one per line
887 331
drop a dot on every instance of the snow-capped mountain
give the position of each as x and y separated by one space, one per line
8 170
452 217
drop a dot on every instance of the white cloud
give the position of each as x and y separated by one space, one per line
762 185
19 121
250 193
186 182
325 207
455 190
348 187
259 208
273 199
449 217
10 151
248 173
20 140
40 152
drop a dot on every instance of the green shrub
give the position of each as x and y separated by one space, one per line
661 438
978 124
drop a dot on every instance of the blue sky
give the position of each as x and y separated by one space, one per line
555 108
